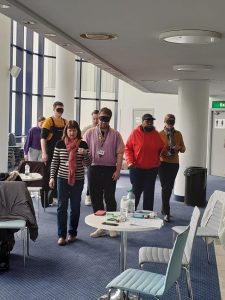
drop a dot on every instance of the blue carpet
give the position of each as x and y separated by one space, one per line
80 271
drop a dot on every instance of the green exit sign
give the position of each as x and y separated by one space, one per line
218 104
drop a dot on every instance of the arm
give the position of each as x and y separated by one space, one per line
54 167
180 147
119 157
44 150
129 152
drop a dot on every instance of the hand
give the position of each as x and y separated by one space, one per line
52 183
26 157
116 175
176 147
44 157
82 151
131 166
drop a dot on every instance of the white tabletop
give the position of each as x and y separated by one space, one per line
129 225
31 177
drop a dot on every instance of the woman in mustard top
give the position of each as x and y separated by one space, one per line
169 167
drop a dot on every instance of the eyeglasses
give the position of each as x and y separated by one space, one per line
104 119
170 122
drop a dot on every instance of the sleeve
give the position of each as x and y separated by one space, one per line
45 131
183 148
87 158
55 162
129 150
28 142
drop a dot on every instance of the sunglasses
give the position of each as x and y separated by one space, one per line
170 122
104 119
60 109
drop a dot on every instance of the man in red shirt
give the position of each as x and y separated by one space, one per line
142 153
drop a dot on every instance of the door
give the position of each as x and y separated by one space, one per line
218 144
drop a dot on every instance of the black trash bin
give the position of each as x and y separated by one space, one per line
195 186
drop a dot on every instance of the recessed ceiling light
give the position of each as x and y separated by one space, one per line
192 68
50 34
193 36
28 22
98 64
4 6
98 36
79 52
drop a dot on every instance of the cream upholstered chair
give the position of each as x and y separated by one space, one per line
20 225
154 284
162 255
213 221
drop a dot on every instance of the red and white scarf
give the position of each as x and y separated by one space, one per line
72 146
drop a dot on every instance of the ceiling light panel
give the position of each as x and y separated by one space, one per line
194 36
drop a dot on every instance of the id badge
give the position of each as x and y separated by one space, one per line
101 152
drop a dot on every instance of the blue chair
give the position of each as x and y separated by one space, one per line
153 284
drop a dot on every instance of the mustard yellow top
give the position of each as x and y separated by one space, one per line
178 139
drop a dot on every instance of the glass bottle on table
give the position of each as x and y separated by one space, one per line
27 170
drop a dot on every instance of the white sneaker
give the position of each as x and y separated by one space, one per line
54 202
87 200
99 232
112 233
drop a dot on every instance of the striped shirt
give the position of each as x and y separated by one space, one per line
59 165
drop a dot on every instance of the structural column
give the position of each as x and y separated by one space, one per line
65 81
5 32
192 119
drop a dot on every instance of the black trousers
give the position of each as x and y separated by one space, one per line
143 180
167 176
101 183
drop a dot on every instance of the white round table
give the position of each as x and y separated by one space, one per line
131 225
31 177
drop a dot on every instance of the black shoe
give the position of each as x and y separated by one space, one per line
167 218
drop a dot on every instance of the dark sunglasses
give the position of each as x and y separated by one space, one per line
104 119
170 122
60 109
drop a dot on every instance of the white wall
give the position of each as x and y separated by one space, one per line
130 98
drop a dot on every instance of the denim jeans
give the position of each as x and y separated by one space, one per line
66 192
143 180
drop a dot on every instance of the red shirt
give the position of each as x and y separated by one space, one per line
143 149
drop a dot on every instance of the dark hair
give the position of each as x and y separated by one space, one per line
72 124
106 111
57 103
41 119
95 112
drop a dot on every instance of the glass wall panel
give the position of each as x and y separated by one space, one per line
14 32
87 107
35 42
107 86
13 112
23 115
34 111
47 107
50 48
49 75
35 75
88 78
24 70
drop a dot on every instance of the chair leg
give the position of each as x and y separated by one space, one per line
23 232
189 286
141 266
207 250
27 237
178 290
109 294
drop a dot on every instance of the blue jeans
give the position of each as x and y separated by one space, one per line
143 180
66 192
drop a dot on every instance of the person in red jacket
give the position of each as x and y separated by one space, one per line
142 153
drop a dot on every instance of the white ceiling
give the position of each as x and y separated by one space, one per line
137 55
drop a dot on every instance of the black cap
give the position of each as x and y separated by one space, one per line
147 117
